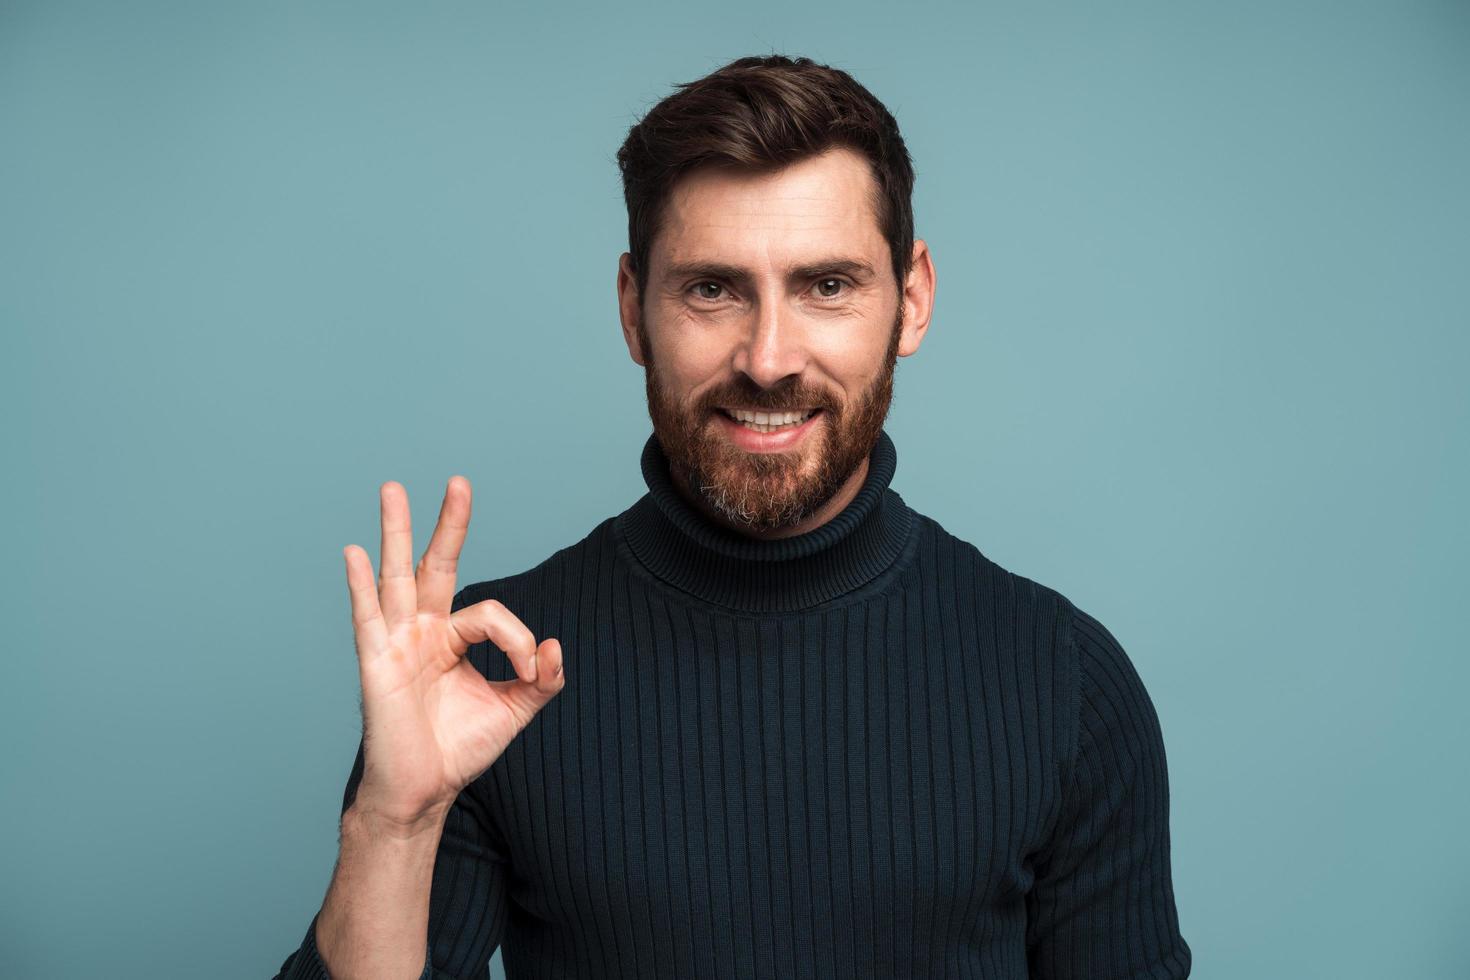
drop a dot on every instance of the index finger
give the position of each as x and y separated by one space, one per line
440 564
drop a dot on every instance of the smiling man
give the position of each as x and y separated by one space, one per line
777 322
776 723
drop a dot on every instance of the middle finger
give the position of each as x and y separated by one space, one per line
440 563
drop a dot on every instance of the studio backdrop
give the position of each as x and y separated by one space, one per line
1197 360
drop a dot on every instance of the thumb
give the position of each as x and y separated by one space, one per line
550 672
529 697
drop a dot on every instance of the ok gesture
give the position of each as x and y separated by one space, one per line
432 723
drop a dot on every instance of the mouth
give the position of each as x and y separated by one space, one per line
767 422
769 432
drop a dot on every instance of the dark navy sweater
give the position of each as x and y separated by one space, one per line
866 751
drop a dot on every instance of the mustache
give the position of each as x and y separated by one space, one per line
787 396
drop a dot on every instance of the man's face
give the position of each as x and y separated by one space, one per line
772 293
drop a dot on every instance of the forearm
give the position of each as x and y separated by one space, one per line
374 922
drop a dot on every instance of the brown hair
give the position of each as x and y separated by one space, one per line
762 113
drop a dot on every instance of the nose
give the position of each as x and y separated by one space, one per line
774 346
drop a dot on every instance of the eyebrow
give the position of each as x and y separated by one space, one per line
856 268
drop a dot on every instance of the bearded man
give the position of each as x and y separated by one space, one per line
777 723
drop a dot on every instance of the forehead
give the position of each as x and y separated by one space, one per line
746 216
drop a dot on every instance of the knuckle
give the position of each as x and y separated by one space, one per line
434 563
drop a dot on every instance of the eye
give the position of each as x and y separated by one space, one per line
708 289
836 285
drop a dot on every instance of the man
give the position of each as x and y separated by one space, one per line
767 721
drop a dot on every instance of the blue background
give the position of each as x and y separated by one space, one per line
1198 360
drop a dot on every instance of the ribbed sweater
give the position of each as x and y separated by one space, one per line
864 751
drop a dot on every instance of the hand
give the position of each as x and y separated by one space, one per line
432 723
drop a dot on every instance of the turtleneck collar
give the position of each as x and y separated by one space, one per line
685 549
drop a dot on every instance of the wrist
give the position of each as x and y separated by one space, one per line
362 819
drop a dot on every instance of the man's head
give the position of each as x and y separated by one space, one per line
772 268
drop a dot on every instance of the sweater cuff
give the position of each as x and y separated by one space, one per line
307 963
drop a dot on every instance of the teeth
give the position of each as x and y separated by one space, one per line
769 421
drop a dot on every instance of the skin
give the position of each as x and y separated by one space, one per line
761 319
432 723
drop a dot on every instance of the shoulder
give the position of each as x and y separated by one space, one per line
959 559
1095 678
1104 664
541 579
999 590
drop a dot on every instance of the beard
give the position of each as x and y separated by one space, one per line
769 491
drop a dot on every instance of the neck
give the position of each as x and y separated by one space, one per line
684 549
811 522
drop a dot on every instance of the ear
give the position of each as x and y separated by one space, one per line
918 299
628 311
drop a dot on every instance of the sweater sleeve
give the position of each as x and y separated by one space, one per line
467 898
1102 905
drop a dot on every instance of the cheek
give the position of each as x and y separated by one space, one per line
680 390
851 367
689 368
